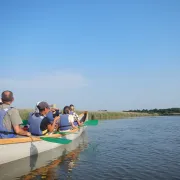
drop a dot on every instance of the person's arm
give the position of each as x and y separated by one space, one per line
51 127
20 131
79 123
71 121
54 109
73 126
16 120
78 120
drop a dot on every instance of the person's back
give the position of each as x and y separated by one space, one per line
10 118
5 122
35 120
66 120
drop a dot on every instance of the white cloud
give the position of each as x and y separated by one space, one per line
54 87
48 80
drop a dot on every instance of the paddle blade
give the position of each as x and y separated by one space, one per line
65 133
25 122
56 140
91 123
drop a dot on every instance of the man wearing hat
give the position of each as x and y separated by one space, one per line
38 121
51 114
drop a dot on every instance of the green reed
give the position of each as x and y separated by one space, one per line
97 114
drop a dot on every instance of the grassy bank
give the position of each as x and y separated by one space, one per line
98 115
116 115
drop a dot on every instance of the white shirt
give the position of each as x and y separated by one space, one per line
71 118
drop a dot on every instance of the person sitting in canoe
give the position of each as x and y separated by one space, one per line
39 124
10 119
76 117
66 120
51 114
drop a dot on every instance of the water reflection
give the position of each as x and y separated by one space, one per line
33 156
146 148
63 164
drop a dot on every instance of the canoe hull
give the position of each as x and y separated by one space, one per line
42 163
14 151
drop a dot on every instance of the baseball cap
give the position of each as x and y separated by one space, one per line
43 105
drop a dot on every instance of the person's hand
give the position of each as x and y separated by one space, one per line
54 109
56 118
75 127
28 134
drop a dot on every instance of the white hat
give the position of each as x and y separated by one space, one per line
36 108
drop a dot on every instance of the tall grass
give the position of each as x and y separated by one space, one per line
116 115
97 115
24 113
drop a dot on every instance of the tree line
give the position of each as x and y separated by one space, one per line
169 111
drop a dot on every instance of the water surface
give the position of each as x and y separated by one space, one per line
139 148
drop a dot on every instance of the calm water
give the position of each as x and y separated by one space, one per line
141 148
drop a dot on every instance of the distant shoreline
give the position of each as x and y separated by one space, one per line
98 114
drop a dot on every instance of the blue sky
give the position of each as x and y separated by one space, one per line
98 54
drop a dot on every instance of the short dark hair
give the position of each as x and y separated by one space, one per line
71 105
7 96
66 110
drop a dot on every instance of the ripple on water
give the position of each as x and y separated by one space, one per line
138 149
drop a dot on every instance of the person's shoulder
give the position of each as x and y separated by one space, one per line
13 110
71 117
45 120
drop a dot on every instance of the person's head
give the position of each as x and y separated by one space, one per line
43 107
66 110
71 107
7 97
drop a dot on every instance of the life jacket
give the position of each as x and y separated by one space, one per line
34 122
4 132
64 122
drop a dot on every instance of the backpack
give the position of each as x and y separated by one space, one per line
4 133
